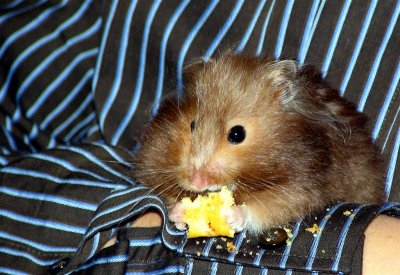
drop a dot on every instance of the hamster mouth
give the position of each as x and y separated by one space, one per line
218 187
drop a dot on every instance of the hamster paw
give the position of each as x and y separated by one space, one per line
236 218
176 216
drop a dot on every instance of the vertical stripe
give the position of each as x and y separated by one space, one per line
82 134
40 43
119 66
251 26
34 132
103 43
95 245
392 164
55 84
11 4
390 129
54 55
79 110
189 267
388 99
224 29
208 246
286 252
84 122
67 101
264 28
28 144
378 58
357 48
163 48
14 13
282 30
93 130
314 246
29 27
7 132
139 80
238 243
3 161
238 269
342 238
258 257
306 42
335 38
307 29
214 268
188 42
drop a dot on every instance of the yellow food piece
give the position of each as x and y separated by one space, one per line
206 215
314 229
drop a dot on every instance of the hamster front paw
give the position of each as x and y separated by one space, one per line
235 218
176 216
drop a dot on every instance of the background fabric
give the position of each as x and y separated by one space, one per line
80 79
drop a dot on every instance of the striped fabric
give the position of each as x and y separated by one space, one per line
79 79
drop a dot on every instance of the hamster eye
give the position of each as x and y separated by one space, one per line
192 126
236 134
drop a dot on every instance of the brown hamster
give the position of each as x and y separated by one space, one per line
275 133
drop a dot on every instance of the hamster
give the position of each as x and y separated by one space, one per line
273 132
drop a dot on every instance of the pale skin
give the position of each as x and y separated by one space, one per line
381 251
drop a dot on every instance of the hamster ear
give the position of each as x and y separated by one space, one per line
294 84
282 80
190 70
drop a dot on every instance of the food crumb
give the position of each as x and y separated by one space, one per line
327 217
224 239
197 242
198 253
251 253
323 251
288 242
288 232
315 229
247 241
231 247
218 247
352 216
204 241
347 213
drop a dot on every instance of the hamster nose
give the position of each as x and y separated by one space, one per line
200 179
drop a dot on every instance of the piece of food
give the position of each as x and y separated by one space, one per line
206 216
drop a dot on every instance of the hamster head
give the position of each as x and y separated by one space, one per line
234 126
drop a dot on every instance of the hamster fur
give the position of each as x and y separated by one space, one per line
304 146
